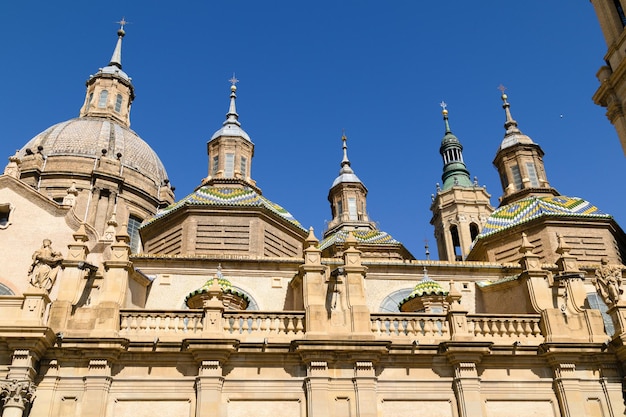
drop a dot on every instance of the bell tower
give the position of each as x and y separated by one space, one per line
611 93
460 207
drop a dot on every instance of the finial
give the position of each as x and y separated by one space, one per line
232 117
510 124
218 274
116 58
444 106
502 90
427 251
233 81
344 139
122 23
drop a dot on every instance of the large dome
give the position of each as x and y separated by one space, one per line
88 136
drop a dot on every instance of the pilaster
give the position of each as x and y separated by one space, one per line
355 289
70 281
464 357
209 384
365 383
314 288
97 385
317 384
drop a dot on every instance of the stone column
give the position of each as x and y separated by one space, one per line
317 385
97 385
16 396
209 384
365 382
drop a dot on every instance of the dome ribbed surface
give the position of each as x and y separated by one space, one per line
87 136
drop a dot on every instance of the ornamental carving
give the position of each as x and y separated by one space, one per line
608 282
16 393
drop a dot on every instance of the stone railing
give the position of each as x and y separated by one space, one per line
261 325
183 324
516 327
284 326
421 327
176 323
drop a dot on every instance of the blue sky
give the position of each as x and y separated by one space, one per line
307 70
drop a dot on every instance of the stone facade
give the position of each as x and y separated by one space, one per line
531 320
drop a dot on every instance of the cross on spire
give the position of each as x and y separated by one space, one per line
233 80
502 88
443 104
122 23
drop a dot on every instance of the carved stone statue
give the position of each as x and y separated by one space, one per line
608 282
45 266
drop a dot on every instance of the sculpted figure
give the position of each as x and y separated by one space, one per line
608 282
45 266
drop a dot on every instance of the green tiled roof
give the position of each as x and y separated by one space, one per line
534 207
371 237
226 197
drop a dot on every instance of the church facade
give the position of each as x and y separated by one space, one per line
122 300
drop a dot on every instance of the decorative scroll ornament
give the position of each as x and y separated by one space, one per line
16 393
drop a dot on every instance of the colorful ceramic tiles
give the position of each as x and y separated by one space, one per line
227 197
373 237
533 207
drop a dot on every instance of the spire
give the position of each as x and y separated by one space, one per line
346 174
116 58
512 135
231 126
232 117
455 172
110 91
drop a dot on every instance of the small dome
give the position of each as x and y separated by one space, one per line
515 138
88 136
231 130
113 70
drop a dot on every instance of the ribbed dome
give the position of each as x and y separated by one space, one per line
88 136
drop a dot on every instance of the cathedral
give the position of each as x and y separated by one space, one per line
123 300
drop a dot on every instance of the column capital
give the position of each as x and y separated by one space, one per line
16 393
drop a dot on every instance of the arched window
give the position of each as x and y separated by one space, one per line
89 100
102 101
456 242
390 303
4 290
118 103
474 231
5 213
133 231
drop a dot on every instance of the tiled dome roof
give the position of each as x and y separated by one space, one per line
88 136
533 207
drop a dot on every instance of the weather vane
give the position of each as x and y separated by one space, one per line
502 88
233 80
443 104
122 23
